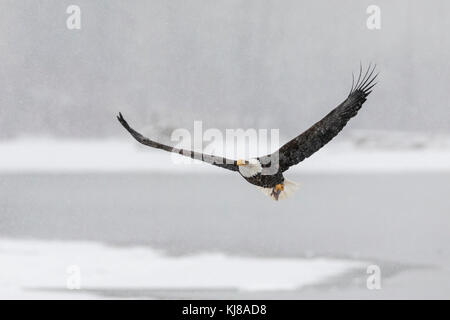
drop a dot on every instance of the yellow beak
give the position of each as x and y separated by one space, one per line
241 162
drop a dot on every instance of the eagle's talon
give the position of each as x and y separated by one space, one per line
275 194
277 190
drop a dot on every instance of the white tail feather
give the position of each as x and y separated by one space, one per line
289 188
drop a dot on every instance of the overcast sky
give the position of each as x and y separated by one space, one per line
231 63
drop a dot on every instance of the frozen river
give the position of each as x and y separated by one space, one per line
336 224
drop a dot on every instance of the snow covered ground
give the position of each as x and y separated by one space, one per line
375 153
109 224
54 269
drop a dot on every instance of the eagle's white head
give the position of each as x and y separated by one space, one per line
249 168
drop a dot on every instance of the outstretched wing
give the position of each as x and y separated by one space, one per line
214 160
326 129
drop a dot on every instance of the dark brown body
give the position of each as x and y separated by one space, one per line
266 181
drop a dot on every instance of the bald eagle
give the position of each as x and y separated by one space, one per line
266 172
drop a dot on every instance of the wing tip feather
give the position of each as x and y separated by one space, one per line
364 84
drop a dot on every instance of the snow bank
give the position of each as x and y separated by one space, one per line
46 155
28 267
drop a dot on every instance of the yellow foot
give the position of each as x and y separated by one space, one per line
277 190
